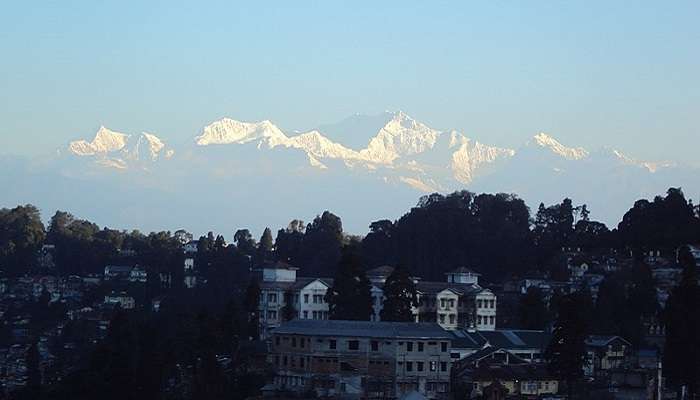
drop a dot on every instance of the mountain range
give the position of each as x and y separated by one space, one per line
236 174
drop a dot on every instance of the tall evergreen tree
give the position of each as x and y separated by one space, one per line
251 302
399 297
682 317
533 311
566 352
350 297
265 247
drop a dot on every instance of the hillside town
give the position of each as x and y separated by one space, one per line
242 320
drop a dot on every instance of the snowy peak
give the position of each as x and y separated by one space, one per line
118 150
401 136
105 141
319 146
228 131
570 153
652 167
470 158
151 146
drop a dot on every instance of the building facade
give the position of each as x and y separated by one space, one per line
457 303
361 359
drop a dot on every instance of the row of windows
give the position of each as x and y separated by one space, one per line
439 387
316 298
485 320
485 303
355 344
420 366
285 361
315 315
447 303
452 318
428 301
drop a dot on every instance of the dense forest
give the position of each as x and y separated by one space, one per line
177 352
495 234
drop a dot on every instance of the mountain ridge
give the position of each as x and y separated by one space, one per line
254 173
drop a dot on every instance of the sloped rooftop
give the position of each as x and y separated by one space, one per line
363 329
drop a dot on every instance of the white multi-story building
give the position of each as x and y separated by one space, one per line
281 287
459 302
455 304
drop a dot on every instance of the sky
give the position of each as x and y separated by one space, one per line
619 74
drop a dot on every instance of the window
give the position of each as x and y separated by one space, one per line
306 315
443 366
452 318
433 366
409 346
479 319
332 344
421 346
442 303
442 318
284 361
375 345
492 303
419 366
294 342
353 344
277 340
452 303
492 320
315 315
443 347
479 303
306 298
272 297
301 342
409 366
301 362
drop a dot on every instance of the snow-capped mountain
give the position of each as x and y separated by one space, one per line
363 168
402 149
118 150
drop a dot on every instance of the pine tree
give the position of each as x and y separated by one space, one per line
533 311
265 247
33 388
566 352
400 297
266 240
682 315
350 297
288 311
251 302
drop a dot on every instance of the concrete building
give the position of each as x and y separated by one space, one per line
457 303
361 359
280 287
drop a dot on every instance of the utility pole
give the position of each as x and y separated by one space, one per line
658 380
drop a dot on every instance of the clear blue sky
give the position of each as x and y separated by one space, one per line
624 74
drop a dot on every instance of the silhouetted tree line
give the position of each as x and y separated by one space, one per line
495 234
174 353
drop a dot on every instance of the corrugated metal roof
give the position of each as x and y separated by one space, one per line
506 339
363 329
